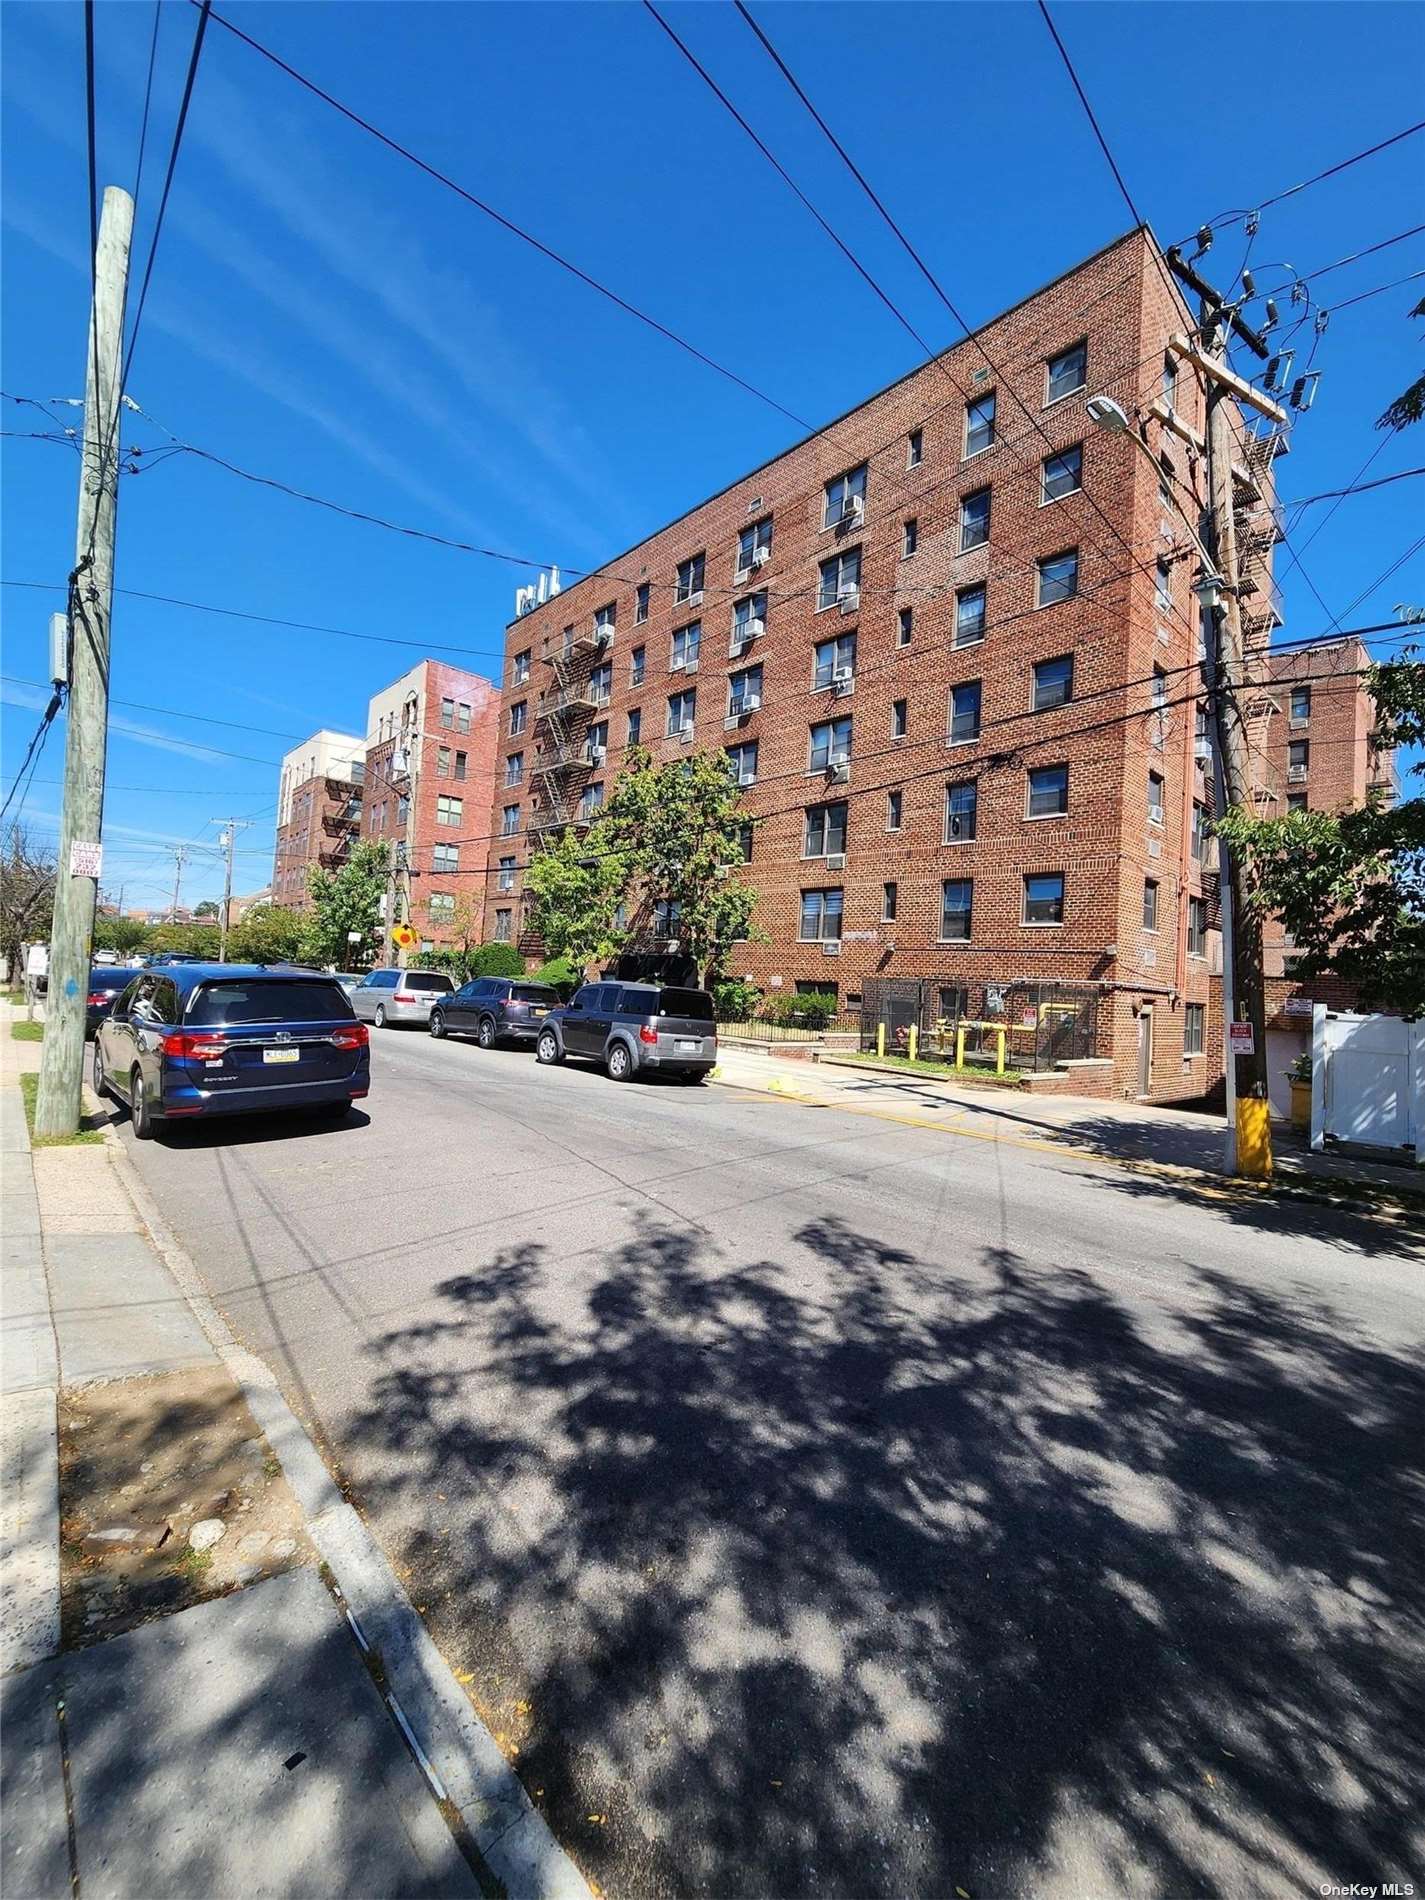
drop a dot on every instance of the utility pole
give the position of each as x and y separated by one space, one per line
91 599
180 858
228 836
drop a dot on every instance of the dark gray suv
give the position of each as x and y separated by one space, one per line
494 1009
634 1029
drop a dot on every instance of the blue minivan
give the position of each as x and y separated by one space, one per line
198 1039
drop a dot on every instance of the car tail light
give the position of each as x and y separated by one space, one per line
97 998
645 1034
404 996
356 1037
183 1043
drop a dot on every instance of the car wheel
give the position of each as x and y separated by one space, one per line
692 1078
437 1024
380 1015
140 1111
547 1049
619 1063
485 1034
101 1080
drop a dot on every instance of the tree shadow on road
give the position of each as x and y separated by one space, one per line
877 1579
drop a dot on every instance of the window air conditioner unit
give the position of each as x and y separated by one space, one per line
853 508
760 556
752 627
850 601
685 735
1299 721
596 754
744 779
1202 748
839 771
843 681
734 717
696 599
836 860
676 665
831 947
1296 774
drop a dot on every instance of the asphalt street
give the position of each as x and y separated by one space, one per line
815 1504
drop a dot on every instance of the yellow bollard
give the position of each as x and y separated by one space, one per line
914 1037
999 1053
881 1040
1254 1137
960 1048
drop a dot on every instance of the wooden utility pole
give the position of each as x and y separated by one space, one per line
180 858
228 837
91 598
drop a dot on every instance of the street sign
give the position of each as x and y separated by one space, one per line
1240 1039
403 936
85 860
1298 1006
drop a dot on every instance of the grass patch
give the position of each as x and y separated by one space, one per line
27 1032
942 1071
30 1088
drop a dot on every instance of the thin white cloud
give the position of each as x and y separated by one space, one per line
35 701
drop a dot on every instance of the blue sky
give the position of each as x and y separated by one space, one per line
323 313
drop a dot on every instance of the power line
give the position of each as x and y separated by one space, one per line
147 98
32 752
1368 250
1356 487
1092 117
1341 165
1378 291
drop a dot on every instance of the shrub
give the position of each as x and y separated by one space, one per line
495 959
560 974
736 1000
803 1012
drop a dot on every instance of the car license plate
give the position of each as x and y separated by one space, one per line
539 1012
688 1046
281 1055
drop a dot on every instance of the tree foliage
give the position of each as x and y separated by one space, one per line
27 873
123 935
269 933
189 940
208 908
1409 405
668 837
560 974
496 959
345 900
1349 887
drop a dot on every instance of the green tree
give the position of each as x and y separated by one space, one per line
190 940
345 900
206 909
123 935
1349 887
268 933
560 974
667 843
26 895
496 959
1409 405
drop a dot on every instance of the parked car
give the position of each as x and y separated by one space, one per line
106 981
349 979
388 998
494 1009
634 1029
201 1039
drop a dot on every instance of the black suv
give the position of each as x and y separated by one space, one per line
634 1029
494 1009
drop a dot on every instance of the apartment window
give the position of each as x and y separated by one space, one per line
519 716
445 858
507 874
1053 683
834 659
638 666
910 537
744 690
825 829
442 761
591 799
964 712
1044 897
821 916
635 725
744 840
462 717
893 810
1199 832
690 577
509 820
1048 791
521 668
504 924
1300 703
915 448
450 811
596 741
667 917
403 808
889 898
687 643
743 760
830 744
962 803
601 683
1163 587
447 712
1155 797
969 616
1298 755
514 769
682 710
640 603
900 718
1296 801
1170 381
1167 475
1067 372
441 906
980 424
751 607
1058 578
1150 903
606 620
1197 926
974 520
957 899
752 541
1194 1029
846 497
1159 689
840 579
1063 473
905 626
401 854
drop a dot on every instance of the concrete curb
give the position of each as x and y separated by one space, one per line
456 1751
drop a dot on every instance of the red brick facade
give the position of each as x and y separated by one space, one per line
1118 731
318 814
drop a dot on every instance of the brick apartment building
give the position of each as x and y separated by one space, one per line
951 645
430 759
318 812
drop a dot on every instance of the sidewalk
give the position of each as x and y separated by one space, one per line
212 1680
1132 1133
